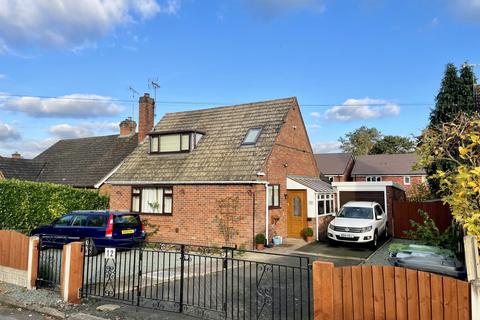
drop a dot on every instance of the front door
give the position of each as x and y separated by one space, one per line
297 212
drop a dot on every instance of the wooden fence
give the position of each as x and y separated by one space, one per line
13 249
403 212
384 292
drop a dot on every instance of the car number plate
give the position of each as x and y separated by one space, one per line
129 231
346 235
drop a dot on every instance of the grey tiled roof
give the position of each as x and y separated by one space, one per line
23 169
386 164
219 155
332 163
84 162
313 183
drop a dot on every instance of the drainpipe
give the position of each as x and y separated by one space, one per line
266 212
316 215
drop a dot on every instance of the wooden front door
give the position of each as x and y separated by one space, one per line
297 212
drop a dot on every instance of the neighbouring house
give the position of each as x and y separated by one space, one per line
81 163
398 168
237 170
335 166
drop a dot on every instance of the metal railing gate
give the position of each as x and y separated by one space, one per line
205 282
50 261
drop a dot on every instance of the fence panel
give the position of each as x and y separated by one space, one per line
388 293
403 212
13 249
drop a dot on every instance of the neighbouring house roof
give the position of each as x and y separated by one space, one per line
313 183
219 155
386 164
84 162
333 163
23 169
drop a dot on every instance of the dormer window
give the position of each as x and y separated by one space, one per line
252 136
173 142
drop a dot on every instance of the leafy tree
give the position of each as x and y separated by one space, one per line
360 141
457 143
466 90
447 101
393 144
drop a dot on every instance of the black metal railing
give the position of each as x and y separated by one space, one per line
50 260
205 282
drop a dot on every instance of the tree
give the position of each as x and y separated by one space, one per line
466 90
456 143
360 141
393 144
448 98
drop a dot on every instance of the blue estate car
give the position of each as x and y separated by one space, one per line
99 229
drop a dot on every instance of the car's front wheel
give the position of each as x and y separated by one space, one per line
374 242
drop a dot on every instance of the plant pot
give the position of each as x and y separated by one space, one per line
260 246
309 238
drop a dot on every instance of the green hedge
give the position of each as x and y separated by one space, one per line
25 205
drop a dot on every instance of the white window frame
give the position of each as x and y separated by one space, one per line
373 178
324 197
405 180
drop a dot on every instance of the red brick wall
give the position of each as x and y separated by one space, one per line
291 155
414 180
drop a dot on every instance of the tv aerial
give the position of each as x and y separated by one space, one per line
153 84
134 92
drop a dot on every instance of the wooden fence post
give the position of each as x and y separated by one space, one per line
72 272
472 263
32 266
323 290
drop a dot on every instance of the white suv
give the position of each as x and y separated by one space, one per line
359 221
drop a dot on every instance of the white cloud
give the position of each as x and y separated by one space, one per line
68 131
72 106
314 126
469 9
366 108
72 23
326 147
27 148
8 132
271 8
315 115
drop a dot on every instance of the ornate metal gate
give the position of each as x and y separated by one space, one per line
50 261
205 282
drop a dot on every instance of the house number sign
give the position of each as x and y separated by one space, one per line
109 253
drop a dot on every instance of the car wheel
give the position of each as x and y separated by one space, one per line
90 248
386 231
374 243
331 242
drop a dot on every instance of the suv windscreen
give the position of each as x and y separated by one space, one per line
126 221
356 213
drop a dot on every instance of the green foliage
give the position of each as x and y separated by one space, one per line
308 232
427 233
26 205
365 140
448 98
393 144
260 238
420 192
458 144
360 141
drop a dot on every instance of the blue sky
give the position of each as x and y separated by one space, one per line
65 66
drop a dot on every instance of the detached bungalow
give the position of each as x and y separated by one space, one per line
185 170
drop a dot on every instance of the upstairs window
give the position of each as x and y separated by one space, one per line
174 142
406 180
373 179
252 136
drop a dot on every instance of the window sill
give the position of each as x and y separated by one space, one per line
155 214
277 207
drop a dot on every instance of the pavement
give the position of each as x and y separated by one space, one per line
11 313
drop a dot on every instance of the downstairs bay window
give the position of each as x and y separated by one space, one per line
152 200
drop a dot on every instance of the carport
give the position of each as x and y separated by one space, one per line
384 193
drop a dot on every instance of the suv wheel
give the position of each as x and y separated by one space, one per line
386 231
374 242
90 248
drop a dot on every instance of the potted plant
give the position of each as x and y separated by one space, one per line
260 241
308 234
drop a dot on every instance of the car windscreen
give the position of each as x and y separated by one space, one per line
356 213
126 221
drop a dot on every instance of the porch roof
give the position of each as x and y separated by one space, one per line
314 183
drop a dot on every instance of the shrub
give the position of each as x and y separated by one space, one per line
428 233
308 232
260 238
24 205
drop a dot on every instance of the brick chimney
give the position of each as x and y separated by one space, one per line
16 155
127 127
146 109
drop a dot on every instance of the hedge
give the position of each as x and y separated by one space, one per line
25 205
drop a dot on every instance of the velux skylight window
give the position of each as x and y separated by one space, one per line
252 136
